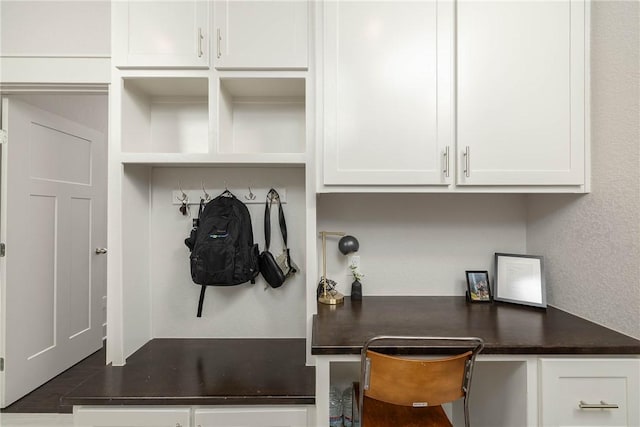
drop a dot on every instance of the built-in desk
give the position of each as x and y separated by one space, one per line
533 358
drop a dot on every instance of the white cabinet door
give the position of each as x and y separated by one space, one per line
521 92
579 392
161 33
105 416
387 92
251 417
261 34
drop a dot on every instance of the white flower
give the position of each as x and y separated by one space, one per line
356 273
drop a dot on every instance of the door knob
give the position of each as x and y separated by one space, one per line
101 250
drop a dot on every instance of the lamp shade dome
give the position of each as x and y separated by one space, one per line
348 244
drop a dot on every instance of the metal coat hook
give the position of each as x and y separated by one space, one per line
273 195
183 197
251 196
206 197
226 192
184 201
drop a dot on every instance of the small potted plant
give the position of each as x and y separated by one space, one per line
356 286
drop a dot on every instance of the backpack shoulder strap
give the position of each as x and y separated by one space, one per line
201 300
191 240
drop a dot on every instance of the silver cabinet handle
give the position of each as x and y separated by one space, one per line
200 38
467 172
219 39
601 405
101 251
446 162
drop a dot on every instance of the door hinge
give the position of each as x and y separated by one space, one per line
3 136
1 364
3 249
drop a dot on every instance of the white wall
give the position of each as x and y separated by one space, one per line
420 244
54 41
591 243
58 28
244 311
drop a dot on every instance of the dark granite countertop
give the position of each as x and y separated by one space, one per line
505 328
204 372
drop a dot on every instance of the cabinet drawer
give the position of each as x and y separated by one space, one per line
251 416
594 392
115 416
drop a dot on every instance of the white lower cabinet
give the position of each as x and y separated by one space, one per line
251 417
590 392
110 416
186 416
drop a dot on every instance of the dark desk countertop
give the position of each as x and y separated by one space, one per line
505 328
204 372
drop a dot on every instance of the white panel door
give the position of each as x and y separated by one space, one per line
521 92
387 92
161 33
53 217
261 34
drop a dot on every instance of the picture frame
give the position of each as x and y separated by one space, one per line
519 279
478 286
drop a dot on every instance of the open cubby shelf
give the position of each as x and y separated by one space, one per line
262 115
255 120
165 115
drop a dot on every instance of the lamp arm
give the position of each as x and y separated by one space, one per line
324 235
335 297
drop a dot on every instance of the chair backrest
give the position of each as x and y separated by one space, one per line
408 381
416 383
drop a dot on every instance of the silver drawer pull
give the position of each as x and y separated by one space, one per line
445 156
218 42
601 405
467 170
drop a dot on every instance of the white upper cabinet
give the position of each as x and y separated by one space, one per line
161 34
521 92
387 92
261 34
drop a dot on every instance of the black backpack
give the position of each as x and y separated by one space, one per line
221 244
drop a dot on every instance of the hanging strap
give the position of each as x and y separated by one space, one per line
201 300
271 196
196 221
196 224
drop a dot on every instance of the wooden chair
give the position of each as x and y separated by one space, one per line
407 392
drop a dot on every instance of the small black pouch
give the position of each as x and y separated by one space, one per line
270 270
